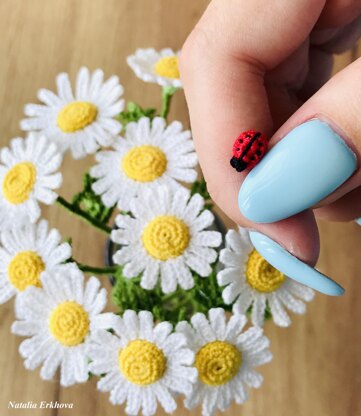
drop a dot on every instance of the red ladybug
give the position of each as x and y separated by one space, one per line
248 149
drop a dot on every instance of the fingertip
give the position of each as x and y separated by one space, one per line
298 235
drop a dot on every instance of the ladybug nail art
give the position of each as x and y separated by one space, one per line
248 149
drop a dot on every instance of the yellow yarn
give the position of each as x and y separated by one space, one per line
18 183
144 163
165 237
69 323
218 362
142 362
261 275
167 67
25 269
75 116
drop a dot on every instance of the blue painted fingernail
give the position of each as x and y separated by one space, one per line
358 221
292 267
308 164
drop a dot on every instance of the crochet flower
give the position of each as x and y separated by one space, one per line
58 318
225 359
152 154
83 121
144 364
159 67
252 281
25 254
166 238
27 175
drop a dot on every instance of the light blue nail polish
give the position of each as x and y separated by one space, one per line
292 267
308 164
358 221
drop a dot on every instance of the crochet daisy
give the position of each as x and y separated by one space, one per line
152 154
25 254
225 359
165 238
57 319
28 174
159 67
83 121
144 364
251 281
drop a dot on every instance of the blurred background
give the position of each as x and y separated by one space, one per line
317 362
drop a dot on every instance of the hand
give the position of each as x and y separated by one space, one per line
263 65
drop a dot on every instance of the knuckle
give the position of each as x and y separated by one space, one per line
194 49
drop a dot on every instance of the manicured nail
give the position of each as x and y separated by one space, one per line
292 267
308 164
358 221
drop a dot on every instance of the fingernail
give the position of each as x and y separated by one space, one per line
358 221
292 267
308 164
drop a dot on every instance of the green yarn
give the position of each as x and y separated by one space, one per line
167 94
89 202
88 206
127 293
134 112
174 307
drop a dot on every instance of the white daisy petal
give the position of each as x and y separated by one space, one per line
58 330
140 161
29 252
161 242
82 122
225 361
135 347
26 180
279 314
251 282
150 66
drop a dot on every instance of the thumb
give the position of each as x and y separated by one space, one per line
314 162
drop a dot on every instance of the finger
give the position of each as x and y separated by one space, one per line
339 13
223 64
315 160
347 208
337 40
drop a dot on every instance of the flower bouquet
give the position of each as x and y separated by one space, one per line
191 299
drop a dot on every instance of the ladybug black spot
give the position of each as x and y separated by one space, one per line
258 153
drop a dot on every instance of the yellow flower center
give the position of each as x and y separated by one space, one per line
165 237
261 275
167 67
69 323
218 362
144 163
25 269
19 182
75 116
141 362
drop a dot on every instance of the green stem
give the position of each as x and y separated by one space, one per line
82 214
97 270
167 94
170 296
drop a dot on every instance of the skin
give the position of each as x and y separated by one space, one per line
250 64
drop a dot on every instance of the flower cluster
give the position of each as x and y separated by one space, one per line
184 299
